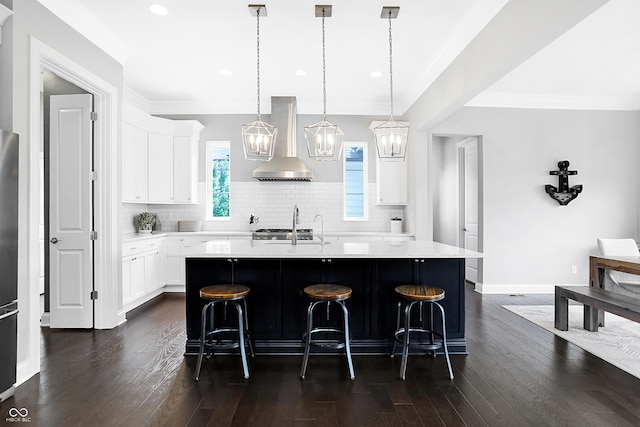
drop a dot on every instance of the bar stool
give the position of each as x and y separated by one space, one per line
224 294
327 294
412 294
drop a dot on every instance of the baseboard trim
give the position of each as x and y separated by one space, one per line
170 287
24 371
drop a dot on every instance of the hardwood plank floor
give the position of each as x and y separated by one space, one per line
516 374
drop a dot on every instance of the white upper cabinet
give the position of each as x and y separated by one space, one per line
391 182
185 169
159 158
160 168
134 164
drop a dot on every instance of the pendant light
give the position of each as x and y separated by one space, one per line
324 139
391 136
258 137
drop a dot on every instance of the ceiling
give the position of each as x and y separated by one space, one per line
173 62
594 65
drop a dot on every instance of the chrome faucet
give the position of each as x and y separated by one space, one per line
296 221
322 229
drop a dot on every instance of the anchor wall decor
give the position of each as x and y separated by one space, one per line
563 194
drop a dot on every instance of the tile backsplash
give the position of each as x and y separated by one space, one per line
272 203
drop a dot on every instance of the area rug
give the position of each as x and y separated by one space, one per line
618 342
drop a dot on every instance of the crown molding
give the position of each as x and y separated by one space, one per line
134 98
77 16
213 107
5 13
555 102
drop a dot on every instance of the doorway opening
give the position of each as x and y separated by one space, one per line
52 85
458 196
107 267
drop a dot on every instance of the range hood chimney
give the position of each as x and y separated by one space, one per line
284 166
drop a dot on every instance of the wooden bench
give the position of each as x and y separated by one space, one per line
594 299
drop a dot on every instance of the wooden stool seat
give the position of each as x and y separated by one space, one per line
420 292
328 292
224 292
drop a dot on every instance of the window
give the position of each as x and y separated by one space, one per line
218 180
355 181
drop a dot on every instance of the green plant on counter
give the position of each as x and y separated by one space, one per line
146 220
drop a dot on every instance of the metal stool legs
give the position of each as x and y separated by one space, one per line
406 331
307 337
242 330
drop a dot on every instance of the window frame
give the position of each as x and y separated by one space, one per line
365 180
209 180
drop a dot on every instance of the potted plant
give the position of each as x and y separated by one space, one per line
146 221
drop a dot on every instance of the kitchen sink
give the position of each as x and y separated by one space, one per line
282 234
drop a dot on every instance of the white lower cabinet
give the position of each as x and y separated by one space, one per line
143 272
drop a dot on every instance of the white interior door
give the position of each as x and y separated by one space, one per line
470 208
71 216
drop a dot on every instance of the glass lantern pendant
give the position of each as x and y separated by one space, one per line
258 140
391 139
391 136
324 139
258 137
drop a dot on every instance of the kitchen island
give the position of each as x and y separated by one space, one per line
277 272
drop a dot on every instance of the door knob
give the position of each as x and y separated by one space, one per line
54 240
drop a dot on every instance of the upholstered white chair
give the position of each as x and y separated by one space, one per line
616 280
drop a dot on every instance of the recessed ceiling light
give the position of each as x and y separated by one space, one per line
375 74
225 72
301 73
158 9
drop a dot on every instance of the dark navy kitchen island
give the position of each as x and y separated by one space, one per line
278 272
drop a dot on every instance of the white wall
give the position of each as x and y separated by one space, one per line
31 19
530 241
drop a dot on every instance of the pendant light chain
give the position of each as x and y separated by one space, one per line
324 73
258 56
391 65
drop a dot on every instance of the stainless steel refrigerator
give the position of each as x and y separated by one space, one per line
8 261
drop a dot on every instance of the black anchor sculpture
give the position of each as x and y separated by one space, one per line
563 194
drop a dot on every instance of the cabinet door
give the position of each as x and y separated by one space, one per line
160 168
354 273
152 274
263 277
175 270
391 183
296 275
447 274
138 276
126 280
387 275
134 164
128 163
154 264
202 272
185 169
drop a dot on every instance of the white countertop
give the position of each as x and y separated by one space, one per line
213 234
340 249
141 236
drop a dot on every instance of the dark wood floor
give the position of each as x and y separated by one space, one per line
516 374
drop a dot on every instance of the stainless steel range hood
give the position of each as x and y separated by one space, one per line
284 166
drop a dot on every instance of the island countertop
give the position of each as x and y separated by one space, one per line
283 249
